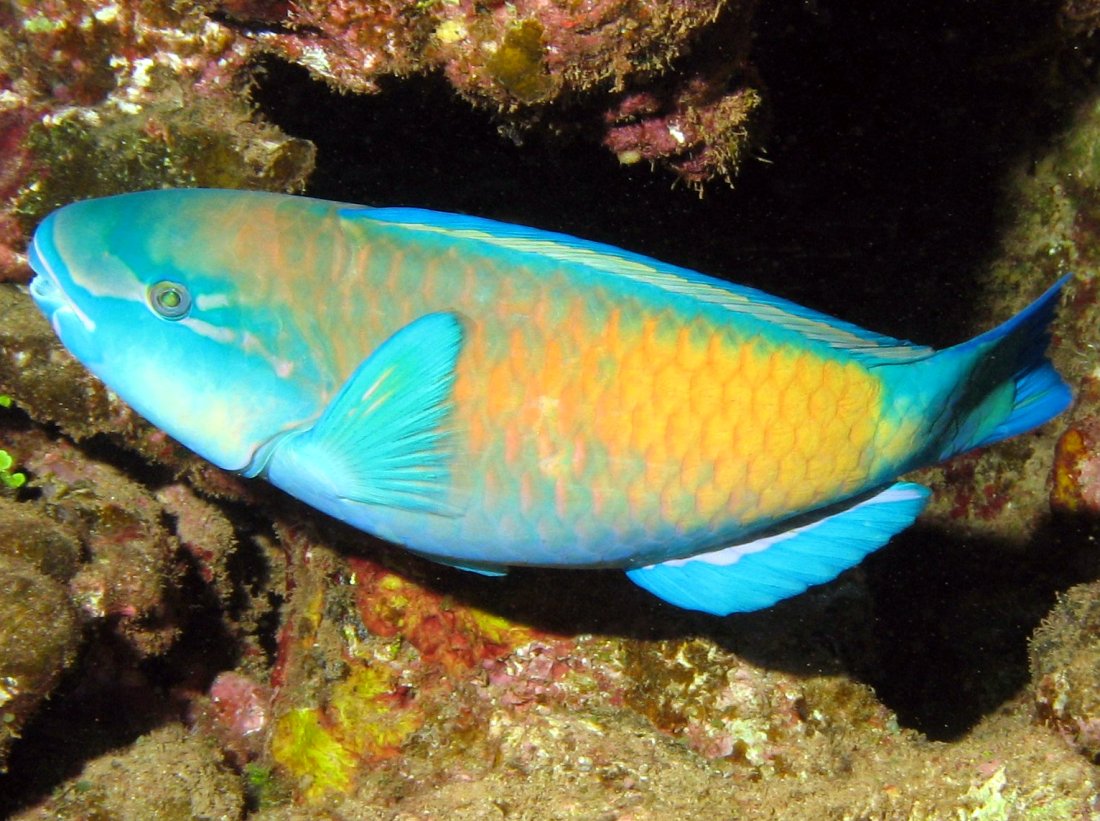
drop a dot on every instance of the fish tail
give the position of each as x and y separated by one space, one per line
1006 385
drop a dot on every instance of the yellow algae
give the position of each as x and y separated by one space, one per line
391 581
370 716
498 630
450 31
1072 448
302 746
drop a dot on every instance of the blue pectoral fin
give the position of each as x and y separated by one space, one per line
758 574
386 437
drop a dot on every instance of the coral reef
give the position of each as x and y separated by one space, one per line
128 575
993 492
238 715
318 672
39 626
101 97
696 132
1076 482
520 57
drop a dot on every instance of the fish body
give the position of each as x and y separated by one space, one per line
490 395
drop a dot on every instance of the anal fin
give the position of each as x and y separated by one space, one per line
757 574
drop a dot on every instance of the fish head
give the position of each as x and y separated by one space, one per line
153 293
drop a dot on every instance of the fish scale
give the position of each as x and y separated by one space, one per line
491 395
641 388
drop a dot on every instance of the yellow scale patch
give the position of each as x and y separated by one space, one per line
660 422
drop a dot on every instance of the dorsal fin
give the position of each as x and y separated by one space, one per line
597 257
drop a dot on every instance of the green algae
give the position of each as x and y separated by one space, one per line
9 478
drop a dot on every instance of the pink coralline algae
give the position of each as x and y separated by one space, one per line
696 130
512 53
129 577
238 714
15 169
454 637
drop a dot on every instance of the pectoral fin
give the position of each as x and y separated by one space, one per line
757 574
386 437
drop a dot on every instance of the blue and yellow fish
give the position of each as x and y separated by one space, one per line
490 395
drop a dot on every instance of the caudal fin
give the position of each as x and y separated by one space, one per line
1010 386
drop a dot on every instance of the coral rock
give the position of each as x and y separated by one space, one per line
167 775
1076 484
39 634
1065 667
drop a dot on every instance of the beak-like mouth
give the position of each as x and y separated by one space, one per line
46 288
45 292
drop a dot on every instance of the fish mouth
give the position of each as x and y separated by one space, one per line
45 288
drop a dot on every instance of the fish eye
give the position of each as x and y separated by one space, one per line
170 300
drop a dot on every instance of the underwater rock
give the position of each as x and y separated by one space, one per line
237 714
129 576
1007 491
206 534
39 635
519 58
1065 669
46 381
28 534
183 141
168 775
1080 16
15 171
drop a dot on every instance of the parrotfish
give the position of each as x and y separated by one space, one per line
490 395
